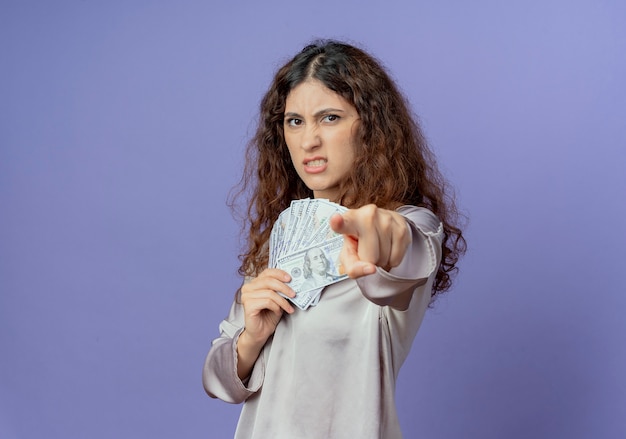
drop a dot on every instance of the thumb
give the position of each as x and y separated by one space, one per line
350 262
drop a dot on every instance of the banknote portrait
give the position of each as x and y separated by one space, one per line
317 269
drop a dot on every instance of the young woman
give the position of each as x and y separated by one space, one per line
333 125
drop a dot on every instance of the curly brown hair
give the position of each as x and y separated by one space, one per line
393 164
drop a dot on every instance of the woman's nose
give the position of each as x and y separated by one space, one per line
310 138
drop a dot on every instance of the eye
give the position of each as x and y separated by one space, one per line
331 118
293 122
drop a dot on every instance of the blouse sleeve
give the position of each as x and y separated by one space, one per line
421 261
219 374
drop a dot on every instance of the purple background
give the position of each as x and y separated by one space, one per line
122 126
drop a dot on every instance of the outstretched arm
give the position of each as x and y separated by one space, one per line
390 253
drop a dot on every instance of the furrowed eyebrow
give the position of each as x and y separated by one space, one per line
317 114
327 111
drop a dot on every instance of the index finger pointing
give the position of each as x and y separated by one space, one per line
359 225
343 224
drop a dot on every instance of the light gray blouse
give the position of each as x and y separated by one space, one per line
330 371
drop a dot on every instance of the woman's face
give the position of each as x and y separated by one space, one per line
319 130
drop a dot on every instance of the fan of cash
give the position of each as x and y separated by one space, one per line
303 244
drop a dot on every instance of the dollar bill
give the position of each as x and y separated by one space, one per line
303 244
312 269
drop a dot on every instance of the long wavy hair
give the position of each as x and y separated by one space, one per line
393 164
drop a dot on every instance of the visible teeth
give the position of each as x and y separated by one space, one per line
319 162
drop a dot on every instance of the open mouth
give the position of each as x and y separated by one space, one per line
315 163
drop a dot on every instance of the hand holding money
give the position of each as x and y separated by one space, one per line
319 243
263 308
303 245
372 237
